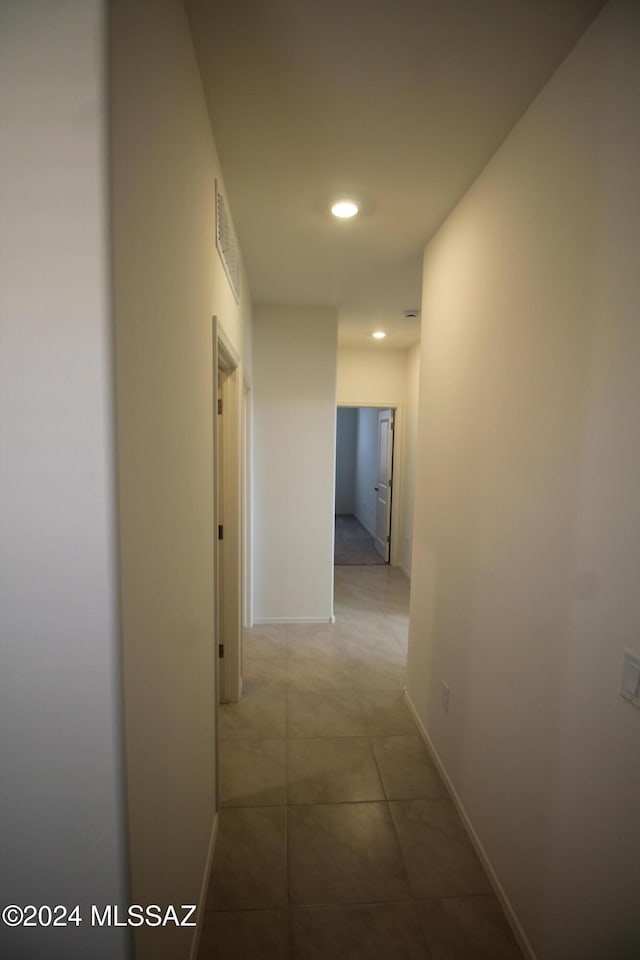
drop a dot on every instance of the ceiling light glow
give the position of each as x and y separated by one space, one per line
379 335
344 209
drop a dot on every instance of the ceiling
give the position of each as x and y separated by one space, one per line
397 103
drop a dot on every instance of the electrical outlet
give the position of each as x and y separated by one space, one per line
446 690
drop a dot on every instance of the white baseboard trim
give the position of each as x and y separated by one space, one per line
514 923
202 902
397 565
269 622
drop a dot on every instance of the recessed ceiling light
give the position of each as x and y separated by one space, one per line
379 335
344 209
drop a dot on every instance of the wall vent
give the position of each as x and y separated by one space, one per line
227 244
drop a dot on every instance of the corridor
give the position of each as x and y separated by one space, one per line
337 837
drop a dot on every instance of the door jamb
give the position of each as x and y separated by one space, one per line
247 512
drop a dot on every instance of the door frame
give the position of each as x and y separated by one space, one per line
228 500
397 505
247 512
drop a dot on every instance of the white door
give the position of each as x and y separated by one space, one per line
221 627
228 506
383 483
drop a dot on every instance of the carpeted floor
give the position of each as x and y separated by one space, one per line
354 544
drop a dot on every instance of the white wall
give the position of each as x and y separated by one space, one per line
369 376
169 282
294 374
346 439
527 535
62 798
388 378
366 468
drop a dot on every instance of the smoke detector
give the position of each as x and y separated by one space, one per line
411 314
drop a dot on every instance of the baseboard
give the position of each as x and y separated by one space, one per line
514 923
202 902
272 622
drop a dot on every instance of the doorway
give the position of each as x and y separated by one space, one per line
363 485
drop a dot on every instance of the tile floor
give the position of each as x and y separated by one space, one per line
338 840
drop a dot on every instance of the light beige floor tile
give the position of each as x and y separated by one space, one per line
324 715
397 613
303 631
385 713
344 853
400 628
407 770
403 642
378 931
467 928
268 642
316 646
253 773
319 676
396 607
257 716
345 613
379 676
360 610
365 630
264 675
245 935
376 649
440 859
249 868
332 770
